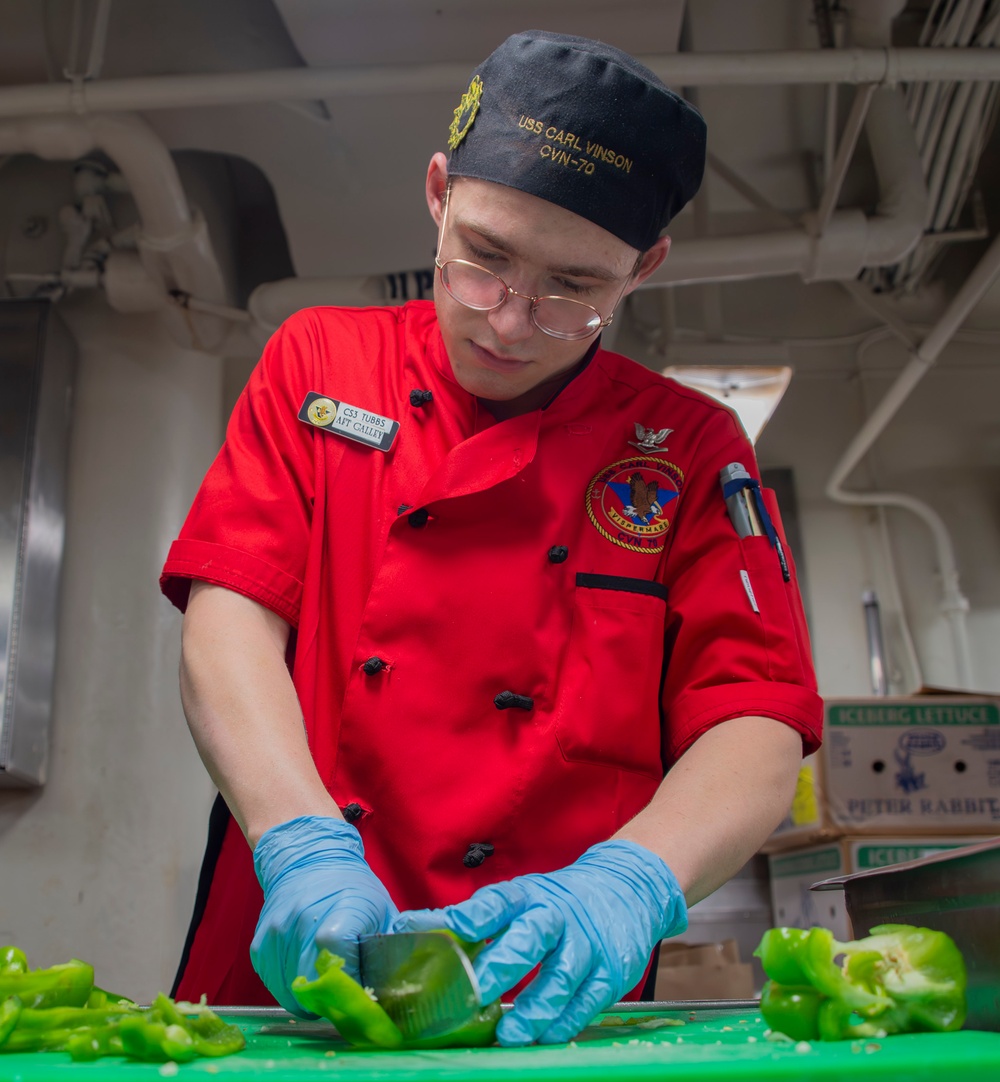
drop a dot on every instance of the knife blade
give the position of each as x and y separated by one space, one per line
423 980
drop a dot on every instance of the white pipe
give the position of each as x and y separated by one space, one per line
850 241
845 152
173 243
830 131
271 303
954 605
98 40
903 207
871 23
794 67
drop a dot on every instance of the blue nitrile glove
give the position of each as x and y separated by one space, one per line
318 892
592 926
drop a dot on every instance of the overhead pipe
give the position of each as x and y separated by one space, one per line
175 252
836 170
954 604
849 240
884 66
849 243
834 245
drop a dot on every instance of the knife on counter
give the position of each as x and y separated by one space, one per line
423 980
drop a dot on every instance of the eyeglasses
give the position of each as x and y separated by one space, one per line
480 289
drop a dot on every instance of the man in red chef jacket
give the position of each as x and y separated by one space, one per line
467 621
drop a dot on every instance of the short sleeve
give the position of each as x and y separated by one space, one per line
249 526
737 641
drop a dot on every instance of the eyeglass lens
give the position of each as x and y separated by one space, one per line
478 288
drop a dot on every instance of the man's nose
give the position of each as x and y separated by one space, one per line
511 322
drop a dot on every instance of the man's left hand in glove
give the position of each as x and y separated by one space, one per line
592 926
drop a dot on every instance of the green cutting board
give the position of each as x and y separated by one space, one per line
709 1045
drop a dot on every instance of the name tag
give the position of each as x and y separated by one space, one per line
360 425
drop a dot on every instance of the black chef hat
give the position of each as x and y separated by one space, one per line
585 126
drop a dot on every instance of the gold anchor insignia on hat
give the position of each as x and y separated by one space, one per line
465 114
649 439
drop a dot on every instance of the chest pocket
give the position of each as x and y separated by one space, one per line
609 705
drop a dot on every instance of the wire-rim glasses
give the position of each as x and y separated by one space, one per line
473 286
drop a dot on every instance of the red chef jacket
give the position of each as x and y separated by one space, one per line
503 632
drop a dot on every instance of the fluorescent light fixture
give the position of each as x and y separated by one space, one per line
753 391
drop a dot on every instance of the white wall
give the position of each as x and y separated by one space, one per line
101 862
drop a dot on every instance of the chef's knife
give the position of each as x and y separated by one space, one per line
423 980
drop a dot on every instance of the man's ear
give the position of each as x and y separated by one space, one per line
436 186
651 260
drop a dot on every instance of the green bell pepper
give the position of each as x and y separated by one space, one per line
176 1031
69 1017
60 1009
339 998
94 1042
423 970
899 979
100 998
153 1041
12 960
364 1023
66 985
10 1012
779 951
792 1009
209 1034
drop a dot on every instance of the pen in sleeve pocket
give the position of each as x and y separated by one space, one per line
747 511
732 478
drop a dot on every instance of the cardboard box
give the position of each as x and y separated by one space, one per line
688 971
922 765
796 905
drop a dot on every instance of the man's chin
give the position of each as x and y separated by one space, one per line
489 386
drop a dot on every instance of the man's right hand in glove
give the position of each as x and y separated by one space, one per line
318 892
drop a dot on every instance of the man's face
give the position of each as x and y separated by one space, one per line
538 249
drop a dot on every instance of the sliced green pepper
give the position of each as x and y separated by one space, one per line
779 951
899 979
53 1028
66 985
210 1035
152 1041
792 1009
364 1023
60 1009
10 1012
339 998
71 1017
94 1042
424 970
100 998
860 990
12 960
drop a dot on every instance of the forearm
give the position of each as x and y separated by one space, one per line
720 801
243 711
